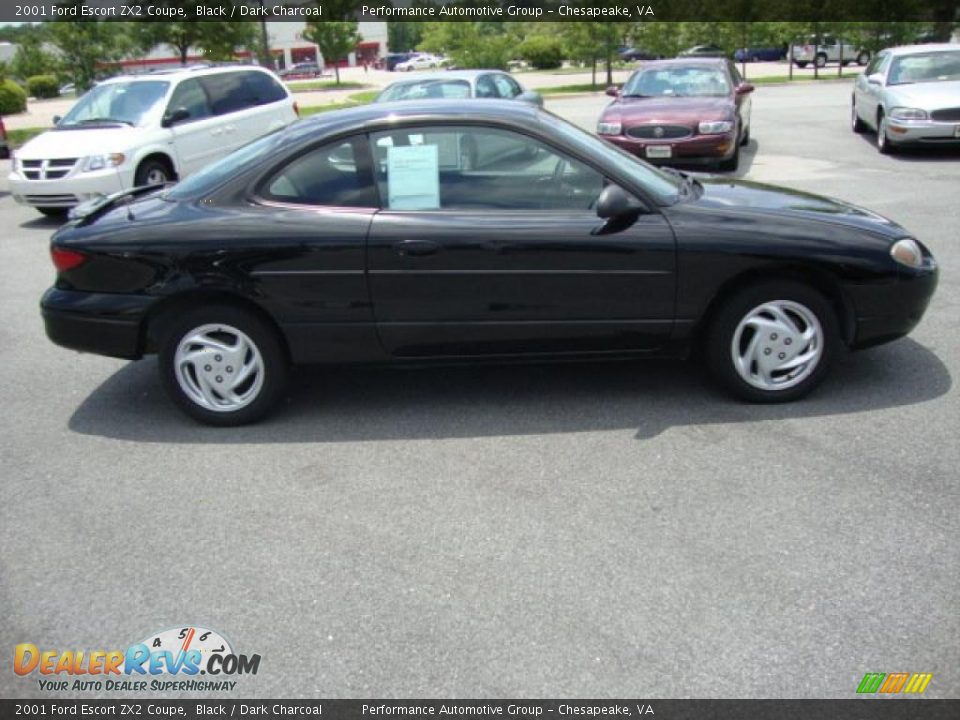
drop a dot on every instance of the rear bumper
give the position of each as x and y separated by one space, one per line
101 323
695 150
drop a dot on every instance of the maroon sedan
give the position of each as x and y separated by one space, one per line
685 111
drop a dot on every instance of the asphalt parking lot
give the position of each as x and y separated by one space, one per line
561 531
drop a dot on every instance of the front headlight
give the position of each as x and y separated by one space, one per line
715 127
907 252
609 128
906 113
99 162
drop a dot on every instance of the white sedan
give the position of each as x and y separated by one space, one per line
421 62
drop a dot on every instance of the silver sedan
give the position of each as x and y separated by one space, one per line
910 95
460 84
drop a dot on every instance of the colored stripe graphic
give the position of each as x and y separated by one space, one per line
870 683
918 682
893 683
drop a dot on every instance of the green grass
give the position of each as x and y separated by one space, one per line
311 85
797 77
581 88
354 100
18 138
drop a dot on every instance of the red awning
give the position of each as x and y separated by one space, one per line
368 44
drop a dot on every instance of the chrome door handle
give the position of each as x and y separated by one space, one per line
416 248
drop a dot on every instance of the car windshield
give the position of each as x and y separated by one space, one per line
119 102
215 174
665 187
679 81
925 67
426 89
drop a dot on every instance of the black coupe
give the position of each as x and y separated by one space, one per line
450 230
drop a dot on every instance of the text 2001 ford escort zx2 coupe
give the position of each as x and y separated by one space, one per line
471 229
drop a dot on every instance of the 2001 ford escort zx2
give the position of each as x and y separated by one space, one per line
451 230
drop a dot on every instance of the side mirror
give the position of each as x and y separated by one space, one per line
745 88
875 79
534 98
613 91
57 119
175 116
616 203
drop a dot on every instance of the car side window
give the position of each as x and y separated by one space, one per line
333 175
228 92
190 95
506 87
478 168
485 87
263 88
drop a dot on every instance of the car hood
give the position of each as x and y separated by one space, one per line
669 110
80 142
927 96
753 197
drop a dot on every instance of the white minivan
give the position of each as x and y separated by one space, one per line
147 129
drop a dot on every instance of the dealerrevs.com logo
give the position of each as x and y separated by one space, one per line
171 660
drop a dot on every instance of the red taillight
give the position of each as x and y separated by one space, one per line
65 260
296 108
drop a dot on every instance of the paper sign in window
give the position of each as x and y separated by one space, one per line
413 177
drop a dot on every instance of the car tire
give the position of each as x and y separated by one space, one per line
820 60
884 145
58 213
238 371
745 140
856 124
801 63
152 172
732 163
797 322
863 58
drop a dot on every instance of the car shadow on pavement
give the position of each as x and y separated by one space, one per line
43 222
348 404
917 153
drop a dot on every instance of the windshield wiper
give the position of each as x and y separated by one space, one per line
90 121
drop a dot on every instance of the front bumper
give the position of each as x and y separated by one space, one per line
886 312
694 150
923 131
69 191
101 323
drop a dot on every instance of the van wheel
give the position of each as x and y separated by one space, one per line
773 342
801 63
153 172
223 366
863 58
820 60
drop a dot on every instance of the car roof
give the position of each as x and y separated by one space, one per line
685 61
446 110
180 73
448 75
929 47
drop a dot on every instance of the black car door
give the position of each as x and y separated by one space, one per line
481 250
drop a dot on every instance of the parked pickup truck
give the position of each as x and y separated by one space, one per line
829 50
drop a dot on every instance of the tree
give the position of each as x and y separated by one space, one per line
335 38
470 44
403 36
31 59
85 43
217 40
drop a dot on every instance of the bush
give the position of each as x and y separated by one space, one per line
43 86
13 98
542 52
